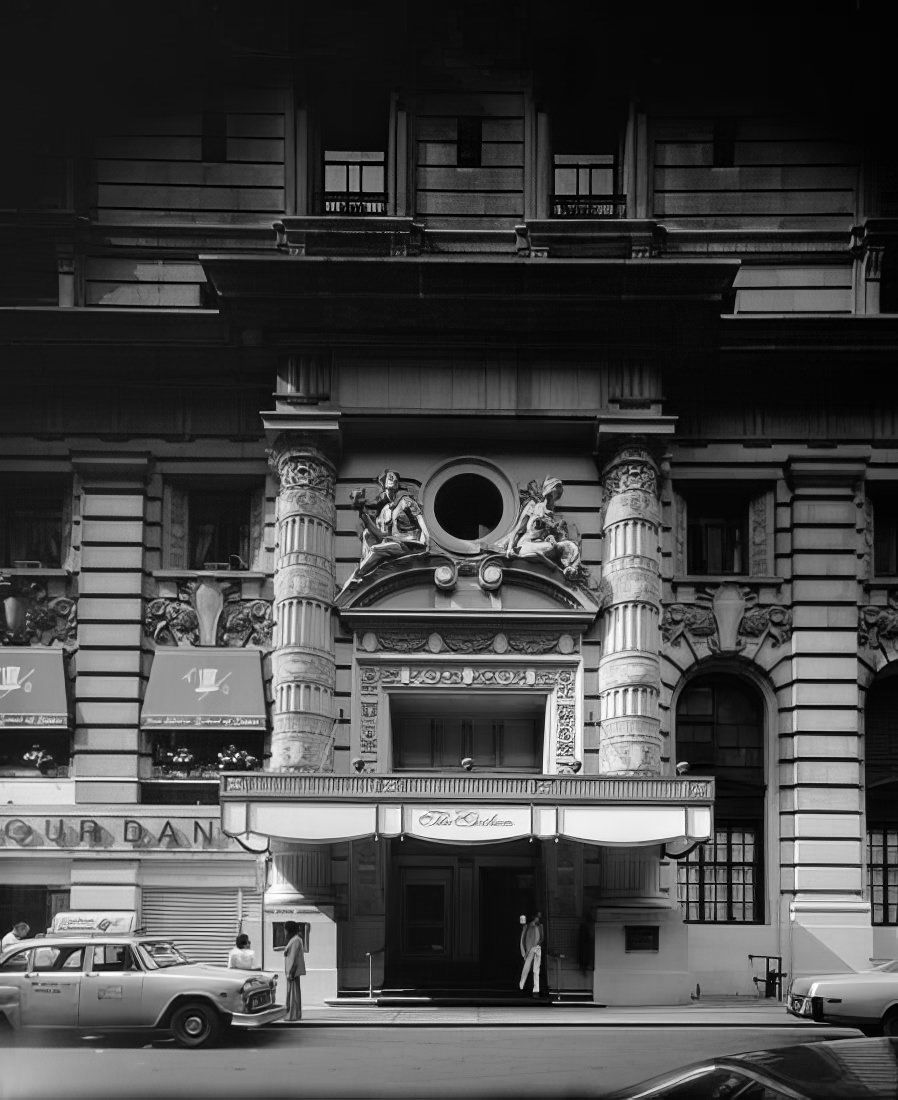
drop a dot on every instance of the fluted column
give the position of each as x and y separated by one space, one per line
629 668
303 662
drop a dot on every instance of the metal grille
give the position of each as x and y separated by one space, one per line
202 922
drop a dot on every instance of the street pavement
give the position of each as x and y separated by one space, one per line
708 1012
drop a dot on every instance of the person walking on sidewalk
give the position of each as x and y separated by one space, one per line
532 950
294 968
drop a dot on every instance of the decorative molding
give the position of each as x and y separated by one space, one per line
878 626
726 619
530 642
276 786
30 615
559 683
631 468
209 613
303 471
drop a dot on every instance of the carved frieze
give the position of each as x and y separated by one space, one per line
303 472
726 619
208 613
468 641
631 469
31 615
559 683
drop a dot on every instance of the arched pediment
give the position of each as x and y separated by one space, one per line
438 587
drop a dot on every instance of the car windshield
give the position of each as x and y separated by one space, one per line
159 955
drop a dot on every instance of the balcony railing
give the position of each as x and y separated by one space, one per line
589 206
547 788
356 203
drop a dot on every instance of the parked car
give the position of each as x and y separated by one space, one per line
128 981
866 999
839 1069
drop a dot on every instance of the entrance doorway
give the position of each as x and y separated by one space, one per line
454 919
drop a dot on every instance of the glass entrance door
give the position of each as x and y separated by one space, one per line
425 935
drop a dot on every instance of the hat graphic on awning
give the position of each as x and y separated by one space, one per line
10 680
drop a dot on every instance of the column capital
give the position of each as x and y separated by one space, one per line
633 466
304 461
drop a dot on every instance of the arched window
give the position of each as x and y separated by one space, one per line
881 785
720 732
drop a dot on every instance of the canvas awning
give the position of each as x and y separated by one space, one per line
257 808
32 688
205 688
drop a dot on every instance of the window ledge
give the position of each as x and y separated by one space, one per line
33 571
218 574
724 578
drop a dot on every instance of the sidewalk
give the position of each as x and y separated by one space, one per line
712 1012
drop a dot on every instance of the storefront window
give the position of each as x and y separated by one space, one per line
881 787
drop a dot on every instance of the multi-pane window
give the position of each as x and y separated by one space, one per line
719 880
881 789
716 531
720 732
354 182
882 867
32 522
490 742
584 186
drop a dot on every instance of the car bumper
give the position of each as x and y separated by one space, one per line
259 1019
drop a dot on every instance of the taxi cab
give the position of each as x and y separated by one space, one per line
128 981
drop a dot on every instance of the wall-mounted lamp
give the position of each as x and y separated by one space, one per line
467 763
358 764
683 766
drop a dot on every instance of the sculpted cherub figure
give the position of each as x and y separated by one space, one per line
393 526
541 534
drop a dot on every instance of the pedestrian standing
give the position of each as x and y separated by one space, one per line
532 950
20 931
294 968
242 956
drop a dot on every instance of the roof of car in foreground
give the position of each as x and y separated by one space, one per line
89 937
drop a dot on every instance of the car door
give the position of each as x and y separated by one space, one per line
112 988
51 985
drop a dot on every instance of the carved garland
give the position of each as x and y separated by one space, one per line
29 615
559 683
458 641
725 619
176 621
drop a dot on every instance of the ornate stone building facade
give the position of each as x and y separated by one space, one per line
470 498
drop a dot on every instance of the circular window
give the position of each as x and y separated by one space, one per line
468 506
468 502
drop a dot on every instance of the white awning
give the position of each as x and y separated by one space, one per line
465 823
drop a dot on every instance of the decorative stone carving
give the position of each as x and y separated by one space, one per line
209 613
878 626
461 641
560 684
393 526
539 533
631 469
725 618
304 472
757 526
30 615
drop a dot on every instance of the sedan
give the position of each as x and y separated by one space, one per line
867 999
840 1069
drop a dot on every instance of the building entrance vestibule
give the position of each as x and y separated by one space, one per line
453 914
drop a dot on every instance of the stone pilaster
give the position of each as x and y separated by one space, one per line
303 662
629 669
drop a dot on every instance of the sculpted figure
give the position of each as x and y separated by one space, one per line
541 534
394 526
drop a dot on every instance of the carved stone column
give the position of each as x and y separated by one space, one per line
303 662
629 668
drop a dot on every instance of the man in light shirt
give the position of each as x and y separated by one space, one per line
532 950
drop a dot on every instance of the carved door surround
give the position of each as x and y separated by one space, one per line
558 680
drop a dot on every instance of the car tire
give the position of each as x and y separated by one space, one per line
195 1024
890 1024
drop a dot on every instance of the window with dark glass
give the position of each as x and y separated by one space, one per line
469 152
507 737
354 182
881 793
720 732
885 530
350 174
587 149
32 524
219 530
35 753
717 524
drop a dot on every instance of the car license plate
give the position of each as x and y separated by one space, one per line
259 1000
